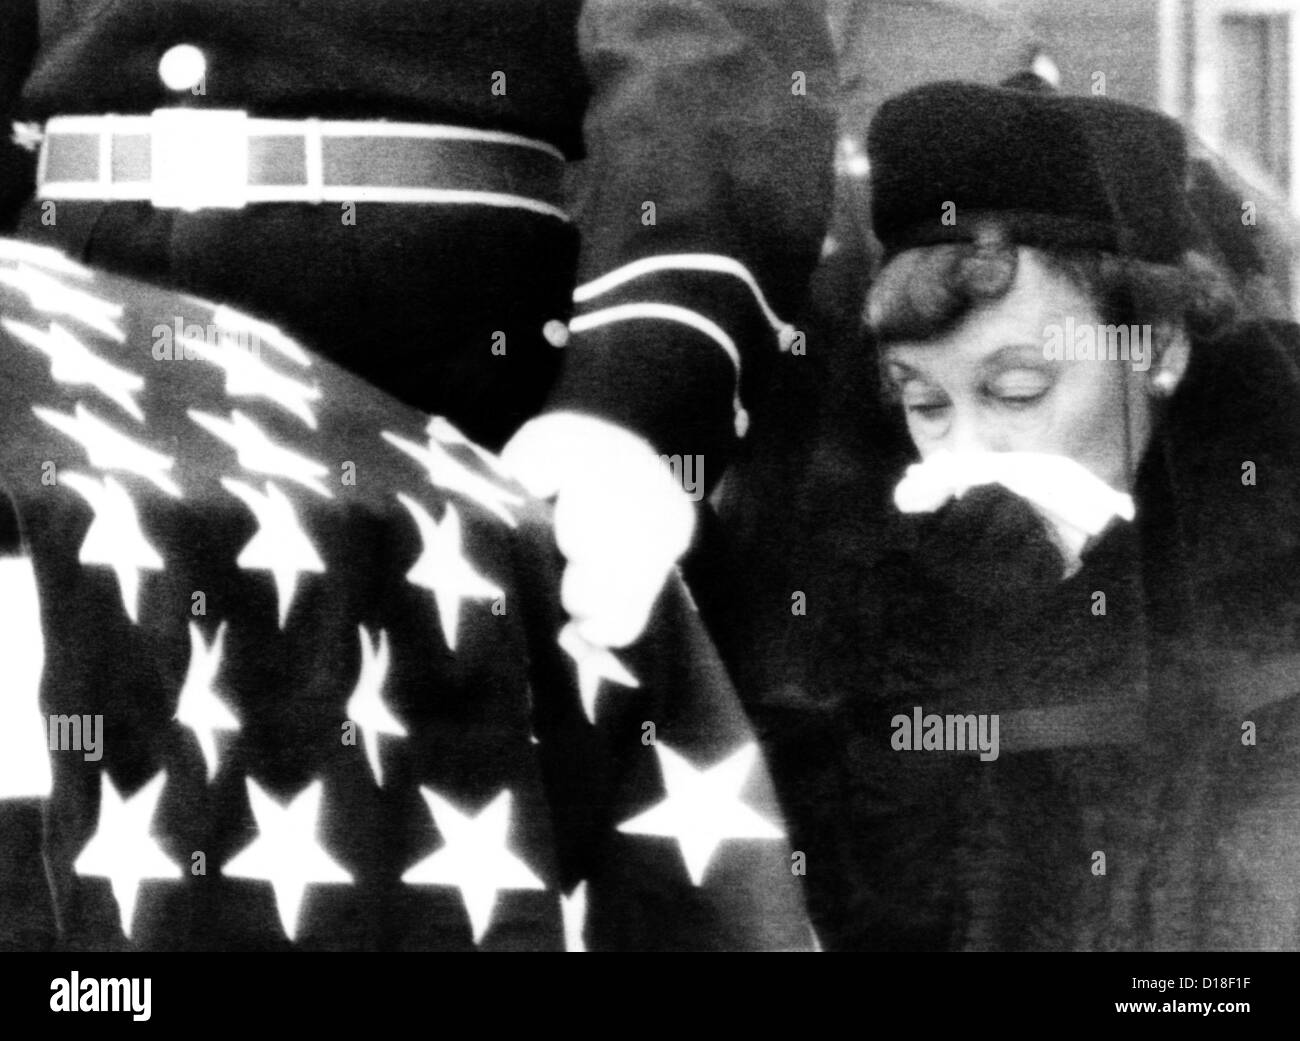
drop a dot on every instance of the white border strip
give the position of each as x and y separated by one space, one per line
25 769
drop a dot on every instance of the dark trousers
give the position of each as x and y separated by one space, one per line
412 298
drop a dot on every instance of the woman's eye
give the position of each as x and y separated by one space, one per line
924 404
1019 390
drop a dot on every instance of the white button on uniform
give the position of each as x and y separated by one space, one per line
182 67
556 333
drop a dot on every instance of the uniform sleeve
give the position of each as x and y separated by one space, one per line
702 205
17 48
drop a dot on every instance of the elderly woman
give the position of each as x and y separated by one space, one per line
1067 689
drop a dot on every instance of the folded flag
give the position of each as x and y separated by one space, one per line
286 667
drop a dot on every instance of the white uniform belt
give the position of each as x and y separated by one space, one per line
205 158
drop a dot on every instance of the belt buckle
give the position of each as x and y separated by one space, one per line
199 158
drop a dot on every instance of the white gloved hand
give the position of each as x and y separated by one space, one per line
1075 502
622 520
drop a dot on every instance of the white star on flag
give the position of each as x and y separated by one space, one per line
442 429
115 537
280 545
122 849
474 857
256 451
107 448
53 296
247 376
446 471
366 707
199 707
73 363
573 909
266 334
703 808
286 852
594 664
42 256
442 569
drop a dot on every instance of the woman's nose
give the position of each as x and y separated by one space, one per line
973 430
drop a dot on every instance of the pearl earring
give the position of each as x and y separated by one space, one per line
1163 383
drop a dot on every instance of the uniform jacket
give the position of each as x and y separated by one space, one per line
718 113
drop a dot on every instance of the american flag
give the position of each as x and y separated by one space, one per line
285 667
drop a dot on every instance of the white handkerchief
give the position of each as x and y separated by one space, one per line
1076 503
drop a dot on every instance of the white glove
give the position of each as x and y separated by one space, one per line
622 520
1075 502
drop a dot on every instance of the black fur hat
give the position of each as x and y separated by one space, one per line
1057 171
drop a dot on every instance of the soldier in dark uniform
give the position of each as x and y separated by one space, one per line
432 253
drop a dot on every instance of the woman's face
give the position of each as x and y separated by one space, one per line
990 385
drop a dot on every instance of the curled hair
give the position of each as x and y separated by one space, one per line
926 292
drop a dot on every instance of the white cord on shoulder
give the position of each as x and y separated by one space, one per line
714 263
